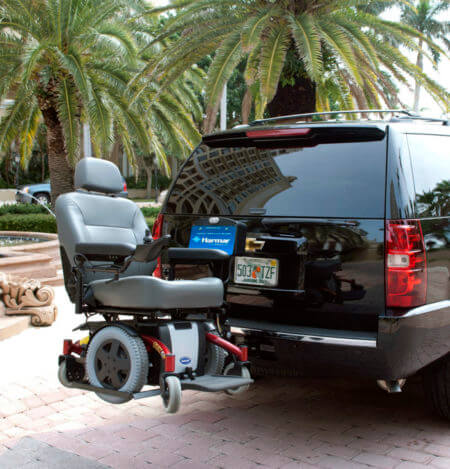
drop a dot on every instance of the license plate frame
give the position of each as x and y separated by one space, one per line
246 271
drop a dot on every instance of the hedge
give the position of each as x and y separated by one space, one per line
30 217
150 211
22 209
162 182
38 222
34 208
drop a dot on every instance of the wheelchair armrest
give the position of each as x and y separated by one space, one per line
217 259
150 251
196 256
105 251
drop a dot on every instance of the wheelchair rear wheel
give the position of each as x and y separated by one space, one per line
215 359
117 360
232 369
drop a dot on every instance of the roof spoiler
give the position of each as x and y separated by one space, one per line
295 137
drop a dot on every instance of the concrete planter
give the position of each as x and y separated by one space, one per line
29 301
40 261
7 195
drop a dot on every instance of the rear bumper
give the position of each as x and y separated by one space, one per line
403 345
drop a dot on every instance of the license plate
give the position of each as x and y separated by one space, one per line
256 271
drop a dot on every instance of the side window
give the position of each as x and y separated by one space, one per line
430 159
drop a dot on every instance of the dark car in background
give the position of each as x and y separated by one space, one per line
338 235
40 193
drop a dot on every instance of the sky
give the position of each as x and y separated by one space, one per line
441 75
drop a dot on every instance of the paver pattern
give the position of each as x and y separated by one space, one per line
279 423
288 423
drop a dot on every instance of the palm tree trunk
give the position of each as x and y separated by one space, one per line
61 172
246 106
294 99
42 166
148 190
419 63
8 158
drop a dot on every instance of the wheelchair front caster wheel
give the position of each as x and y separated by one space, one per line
62 374
231 369
171 394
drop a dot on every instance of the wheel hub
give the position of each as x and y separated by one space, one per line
112 364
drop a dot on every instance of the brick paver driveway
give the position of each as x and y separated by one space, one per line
279 423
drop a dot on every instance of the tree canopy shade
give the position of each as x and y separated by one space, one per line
70 62
340 44
423 15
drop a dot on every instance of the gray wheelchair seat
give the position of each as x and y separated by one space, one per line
145 292
96 214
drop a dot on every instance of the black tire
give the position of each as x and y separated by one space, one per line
42 197
215 358
62 374
232 370
128 373
436 380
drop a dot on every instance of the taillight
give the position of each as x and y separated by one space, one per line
156 234
406 266
125 188
278 133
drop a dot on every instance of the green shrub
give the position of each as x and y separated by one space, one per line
162 182
22 209
150 211
30 217
38 222
150 221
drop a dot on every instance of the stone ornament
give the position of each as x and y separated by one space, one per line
26 296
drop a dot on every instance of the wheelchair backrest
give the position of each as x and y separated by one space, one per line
94 212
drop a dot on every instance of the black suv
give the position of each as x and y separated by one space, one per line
339 234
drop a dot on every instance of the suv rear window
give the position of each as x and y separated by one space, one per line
327 180
430 157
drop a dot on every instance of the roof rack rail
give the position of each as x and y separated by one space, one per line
407 115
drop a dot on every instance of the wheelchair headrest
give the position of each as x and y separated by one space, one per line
93 174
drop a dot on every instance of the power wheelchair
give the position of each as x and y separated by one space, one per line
165 333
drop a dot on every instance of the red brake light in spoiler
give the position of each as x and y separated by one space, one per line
277 133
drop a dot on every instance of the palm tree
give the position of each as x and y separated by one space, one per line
423 18
67 62
339 46
172 112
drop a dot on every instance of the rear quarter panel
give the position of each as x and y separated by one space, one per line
411 339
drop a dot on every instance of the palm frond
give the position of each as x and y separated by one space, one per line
307 42
16 114
28 134
227 57
338 42
273 51
252 28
